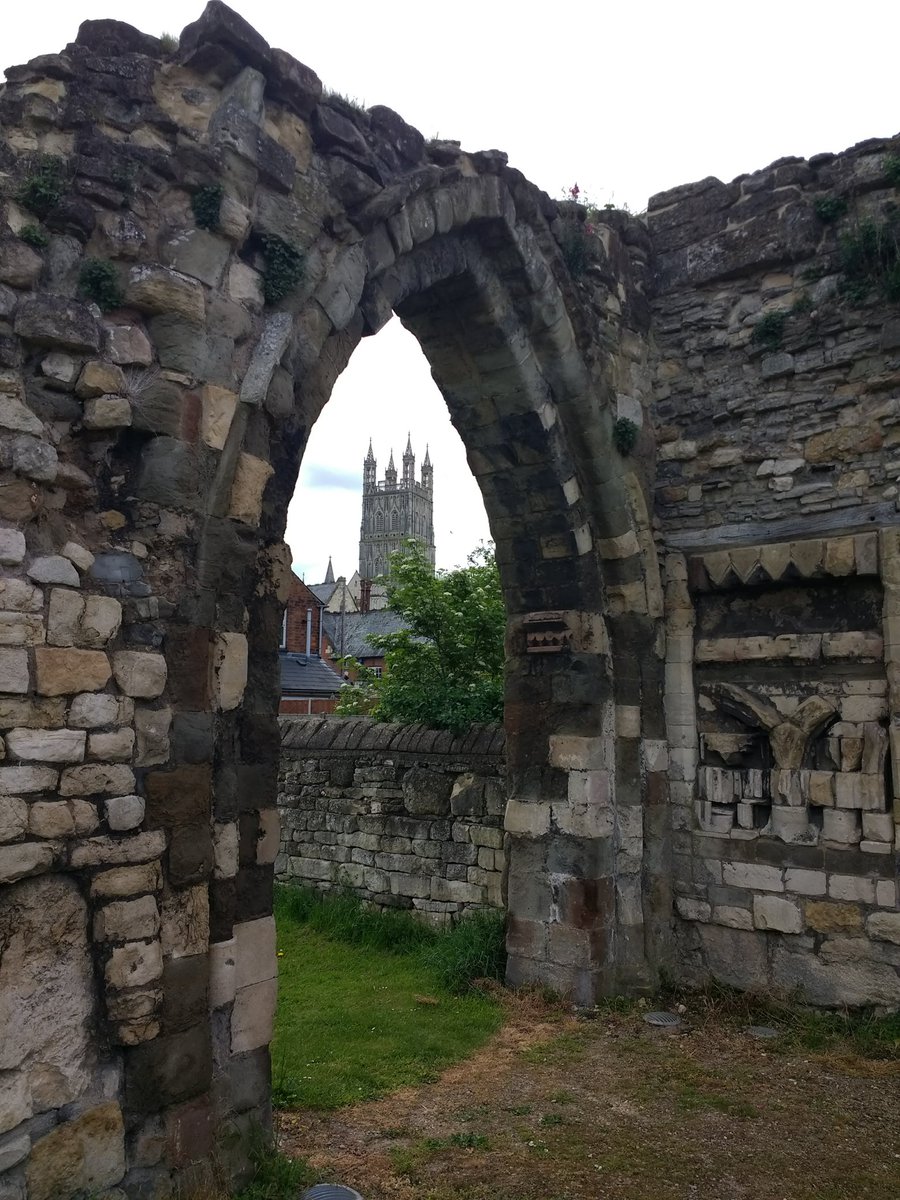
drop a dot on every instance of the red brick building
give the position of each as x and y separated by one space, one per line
309 684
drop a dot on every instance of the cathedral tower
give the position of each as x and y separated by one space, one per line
394 510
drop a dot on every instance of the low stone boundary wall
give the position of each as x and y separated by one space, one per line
407 817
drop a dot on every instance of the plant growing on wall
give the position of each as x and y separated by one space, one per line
576 232
870 259
206 203
769 330
283 268
44 186
34 236
624 435
830 209
891 167
98 281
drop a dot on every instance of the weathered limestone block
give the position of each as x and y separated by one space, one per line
229 669
226 843
13 818
46 745
152 728
14 671
55 321
128 345
62 672
15 416
12 547
91 710
426 793
884 926
253 1016
54 568
94 779
18 596
21 629
26 858
127 920
112 747
99 378
140 674
76 620
20 266
134 964
185 922
127 881
124 812
160 290
21 780
46 996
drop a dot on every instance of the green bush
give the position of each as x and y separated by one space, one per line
98 281
830 209
33 235
275 1176
206 203
44 187
283 267
769 330
891 167
624 435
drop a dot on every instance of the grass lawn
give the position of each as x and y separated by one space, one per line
355 1022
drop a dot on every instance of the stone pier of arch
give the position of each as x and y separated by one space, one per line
702 633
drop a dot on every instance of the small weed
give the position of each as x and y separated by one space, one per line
576 245
519 1110
168 43
561 1098
803 304
283 267
124 177
469 1141
98 281
275 1176
891 166
340 100
34 236
551 1119
691 1099
563 1048
870 260
769 330
830 209
44 187
624 435
206 203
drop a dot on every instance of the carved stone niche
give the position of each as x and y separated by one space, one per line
791 703
547 633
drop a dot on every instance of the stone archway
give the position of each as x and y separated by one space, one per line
157 404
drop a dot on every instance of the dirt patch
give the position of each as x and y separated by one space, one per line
556 1108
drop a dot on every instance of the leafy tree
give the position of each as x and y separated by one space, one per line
445 669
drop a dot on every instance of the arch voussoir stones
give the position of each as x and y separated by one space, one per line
210 238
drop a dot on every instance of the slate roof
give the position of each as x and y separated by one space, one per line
323 591
307 675
359 627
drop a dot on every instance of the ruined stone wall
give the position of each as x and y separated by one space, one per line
777 406
407 817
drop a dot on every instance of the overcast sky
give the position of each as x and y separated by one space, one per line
624 99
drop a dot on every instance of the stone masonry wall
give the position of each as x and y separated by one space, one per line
407 817
777 405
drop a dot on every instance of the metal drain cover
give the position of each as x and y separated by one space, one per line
762 1032
663 1020
330 1191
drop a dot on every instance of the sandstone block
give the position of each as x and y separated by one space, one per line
17 417
218 406
21 629
62 671
732 917
16 781
128 345
127 920
134 965
268 842
13 818
225 849
107 412
100 378
229 669
124 812
64 617
250 478
526 819
84 815
255 951
14 671
772 912
46 745
112 747
846 443
94 779
824 917
159 290
127 881
25 858
222 973
139 673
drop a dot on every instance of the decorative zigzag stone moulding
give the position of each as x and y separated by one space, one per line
702 725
